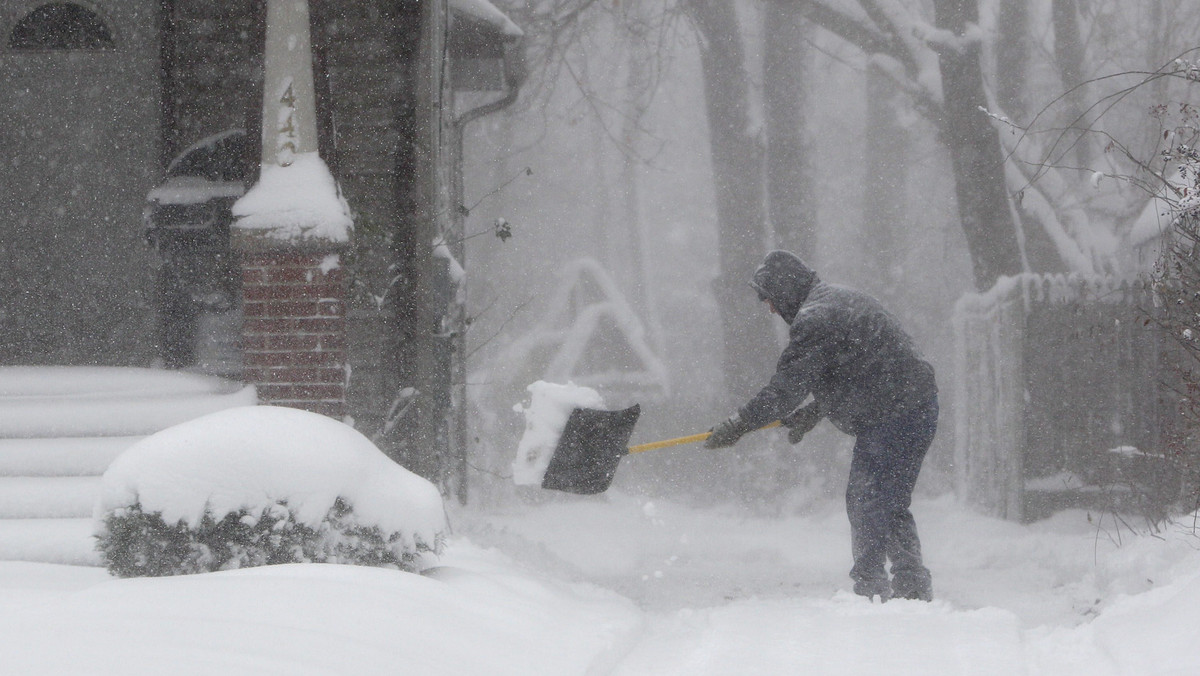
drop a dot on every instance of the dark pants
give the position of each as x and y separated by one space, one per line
883 473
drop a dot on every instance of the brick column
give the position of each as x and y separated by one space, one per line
291 227
294 328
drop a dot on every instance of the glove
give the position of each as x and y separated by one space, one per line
801 421
726 433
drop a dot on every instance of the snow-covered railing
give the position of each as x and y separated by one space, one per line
1053 373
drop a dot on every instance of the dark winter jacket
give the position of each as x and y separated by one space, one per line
843 347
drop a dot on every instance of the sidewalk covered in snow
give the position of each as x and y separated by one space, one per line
621 585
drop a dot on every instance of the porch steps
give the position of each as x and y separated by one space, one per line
40 497
82 456
60 429
48 488
65 541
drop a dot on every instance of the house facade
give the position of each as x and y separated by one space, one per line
79 114
103 102
128 128
100 97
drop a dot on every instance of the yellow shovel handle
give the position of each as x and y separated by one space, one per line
685 440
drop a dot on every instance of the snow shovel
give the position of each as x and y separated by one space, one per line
592 445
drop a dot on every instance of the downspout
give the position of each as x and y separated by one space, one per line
458 318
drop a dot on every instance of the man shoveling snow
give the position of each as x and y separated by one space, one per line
868 378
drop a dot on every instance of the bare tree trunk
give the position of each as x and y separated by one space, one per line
1068 53
637 90
738 179
790 195
967 132
1013 46
600 207
885 215
1012 57
1157 50
975 153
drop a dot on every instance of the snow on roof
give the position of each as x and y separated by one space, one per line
587 302
488 13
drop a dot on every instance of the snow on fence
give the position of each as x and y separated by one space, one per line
1057 392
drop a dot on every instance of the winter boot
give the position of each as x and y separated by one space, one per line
912 591
873 588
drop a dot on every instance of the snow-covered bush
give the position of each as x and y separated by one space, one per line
262 485
136 543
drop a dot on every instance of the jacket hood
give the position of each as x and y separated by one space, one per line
785 280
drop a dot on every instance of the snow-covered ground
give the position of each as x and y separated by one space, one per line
558 584
624 585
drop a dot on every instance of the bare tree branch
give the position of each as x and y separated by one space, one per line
863 35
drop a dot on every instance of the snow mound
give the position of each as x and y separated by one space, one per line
550 405
1142 633
311 620
255 457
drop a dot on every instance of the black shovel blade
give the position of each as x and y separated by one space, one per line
589 450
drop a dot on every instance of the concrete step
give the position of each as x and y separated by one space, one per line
65 541
60 429
48 497
72 456
52 402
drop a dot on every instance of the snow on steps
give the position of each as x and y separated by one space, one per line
65 541
83 456
68 401
61 427
26 497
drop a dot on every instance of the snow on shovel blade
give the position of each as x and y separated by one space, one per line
589 450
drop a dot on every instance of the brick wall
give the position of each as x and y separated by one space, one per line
294 329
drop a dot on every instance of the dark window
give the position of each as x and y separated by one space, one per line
61 25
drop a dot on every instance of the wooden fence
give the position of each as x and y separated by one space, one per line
1058 394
